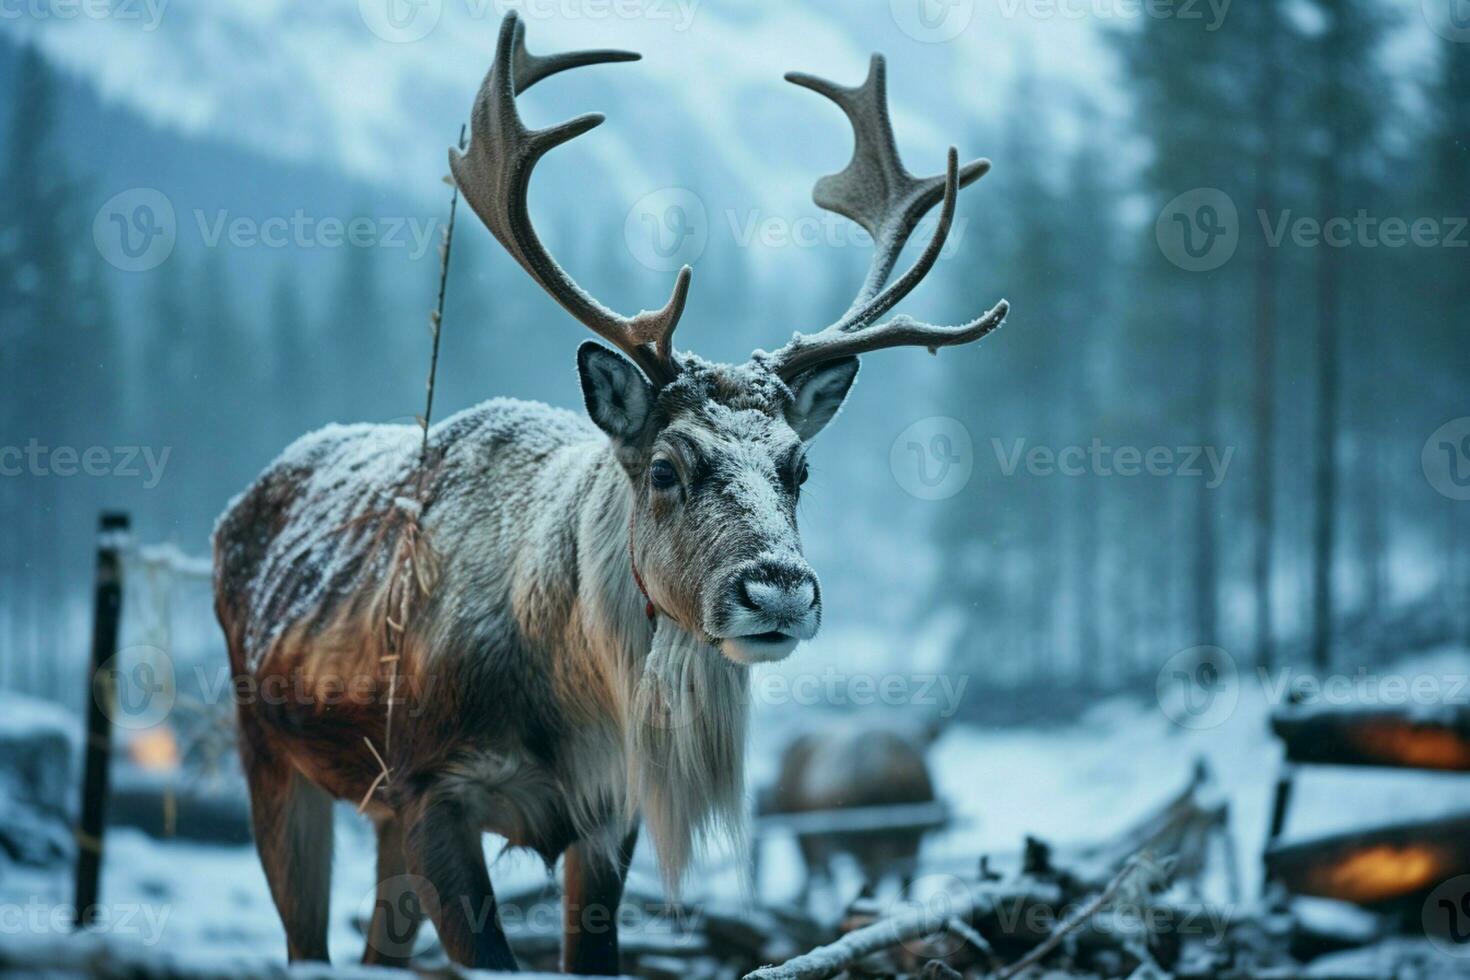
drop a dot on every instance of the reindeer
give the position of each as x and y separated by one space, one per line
575 658
855 766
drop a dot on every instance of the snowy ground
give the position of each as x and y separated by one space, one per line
1125 757
1067 784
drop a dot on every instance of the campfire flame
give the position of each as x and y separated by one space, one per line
155 750
1419 748
1380 872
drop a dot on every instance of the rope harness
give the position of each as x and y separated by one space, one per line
648 609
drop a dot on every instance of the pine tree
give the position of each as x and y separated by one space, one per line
1348 101
1190 107
1446 276
42 320
32 242
1090 270
1269 36
291 342
359 356
1002 389
167 372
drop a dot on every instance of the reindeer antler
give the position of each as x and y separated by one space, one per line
494 175
878 193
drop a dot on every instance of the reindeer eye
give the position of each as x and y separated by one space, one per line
661 474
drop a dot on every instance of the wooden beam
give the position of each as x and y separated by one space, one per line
1369 867
1412 737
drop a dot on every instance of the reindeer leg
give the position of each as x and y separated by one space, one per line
444 850
814 869
397 912
292 818
594 888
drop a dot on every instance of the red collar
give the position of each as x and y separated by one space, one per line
648 609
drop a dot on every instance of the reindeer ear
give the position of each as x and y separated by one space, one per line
818 394
618 397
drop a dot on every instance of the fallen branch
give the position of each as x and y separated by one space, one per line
827 961
962 930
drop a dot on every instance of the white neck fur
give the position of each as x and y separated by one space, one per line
685 741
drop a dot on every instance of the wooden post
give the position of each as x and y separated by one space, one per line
1280 805
112 538
1281 801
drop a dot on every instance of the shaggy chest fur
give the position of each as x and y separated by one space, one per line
536 805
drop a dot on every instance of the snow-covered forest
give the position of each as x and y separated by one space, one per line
1228 410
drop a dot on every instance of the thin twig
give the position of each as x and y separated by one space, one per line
406 570
391 659
384 774
436 320
408 544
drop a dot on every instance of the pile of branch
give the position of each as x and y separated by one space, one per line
1048 922
966 922
1126 907
1104 910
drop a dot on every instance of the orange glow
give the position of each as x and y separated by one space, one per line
1423 748
155 749
1380 872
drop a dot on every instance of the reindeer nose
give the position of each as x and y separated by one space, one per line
784 595
769 607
